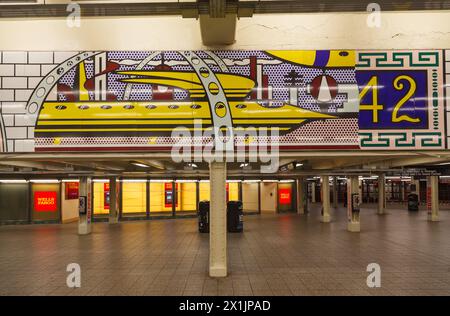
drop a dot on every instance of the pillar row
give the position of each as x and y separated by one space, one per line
85 206
381 194
353 201
433 198
218 220
114 193
325 188
301 195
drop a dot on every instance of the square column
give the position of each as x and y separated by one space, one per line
114 193
301 195
85 206
381 194
325 188
433 198
353 204
313 192
218 220
335 192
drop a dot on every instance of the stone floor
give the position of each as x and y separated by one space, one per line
276 255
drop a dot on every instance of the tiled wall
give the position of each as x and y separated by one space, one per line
20 72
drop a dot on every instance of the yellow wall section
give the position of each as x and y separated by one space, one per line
204 191
250 197
188 196
233 191
134 197
99 199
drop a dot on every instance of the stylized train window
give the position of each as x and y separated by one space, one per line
195 106
128 107
241 106
151 106
173 106
60 107
83 107
106 107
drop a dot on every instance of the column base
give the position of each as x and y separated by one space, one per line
217 272
84 229
381 212
354 227
301 212
433 218
113 220
325 218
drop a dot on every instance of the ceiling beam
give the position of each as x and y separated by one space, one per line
194 9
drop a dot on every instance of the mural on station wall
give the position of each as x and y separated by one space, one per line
130 100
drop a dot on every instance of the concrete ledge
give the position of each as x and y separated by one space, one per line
70 220
354 227
217 272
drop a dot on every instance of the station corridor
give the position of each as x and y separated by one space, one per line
283 254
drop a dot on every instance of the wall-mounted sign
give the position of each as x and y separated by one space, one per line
72 190
82 206
314 99
168 194
107 197
285 196
45 201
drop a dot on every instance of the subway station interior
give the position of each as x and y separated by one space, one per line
225 147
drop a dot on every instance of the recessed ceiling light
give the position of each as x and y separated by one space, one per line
138 164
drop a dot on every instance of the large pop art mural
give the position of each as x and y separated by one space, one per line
135 101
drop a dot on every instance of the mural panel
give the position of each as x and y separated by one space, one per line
135 101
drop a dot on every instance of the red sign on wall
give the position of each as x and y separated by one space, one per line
106 196
72 190
45 201
285 197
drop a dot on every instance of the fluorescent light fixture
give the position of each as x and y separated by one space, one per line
193 165
286 181
270 180
70 180
251 181
443 164
13 181
204 181
442 177
100 180
160 180
243 165
233 181
138 164
298 164
134 180
186 181
44 181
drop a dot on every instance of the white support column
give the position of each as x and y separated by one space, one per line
114 193
85 206
433 198
325 187
218 220
381 194
353 202
335 193
301 195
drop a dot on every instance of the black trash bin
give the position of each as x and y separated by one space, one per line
413 202
203 216
235 217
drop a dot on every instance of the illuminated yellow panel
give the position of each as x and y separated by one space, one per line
99 199
233 191
188 196
204 191
134 197
157 198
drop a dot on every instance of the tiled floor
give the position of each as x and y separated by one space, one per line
276 255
